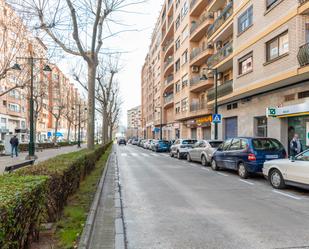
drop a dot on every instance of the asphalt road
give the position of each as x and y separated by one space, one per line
173 204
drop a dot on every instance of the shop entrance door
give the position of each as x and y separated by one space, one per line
298 125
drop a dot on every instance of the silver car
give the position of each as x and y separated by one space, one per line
203 150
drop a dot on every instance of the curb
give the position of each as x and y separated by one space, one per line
88 228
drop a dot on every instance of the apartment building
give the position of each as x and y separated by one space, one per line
257 54
134 122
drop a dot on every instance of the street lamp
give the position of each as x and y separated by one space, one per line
31 60
79 124
160 107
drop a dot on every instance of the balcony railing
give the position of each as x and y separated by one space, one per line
168 62
301 2
197 106
168 99
167 45
169 3
195 25
222 90
197 51
223 53
170 21
192 4
226 13
303 55
169 79
196 80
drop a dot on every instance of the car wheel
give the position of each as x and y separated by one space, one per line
214 165
178 155
204 161
189 158
242 171
276 179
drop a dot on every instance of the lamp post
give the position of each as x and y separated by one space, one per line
31 60
160 107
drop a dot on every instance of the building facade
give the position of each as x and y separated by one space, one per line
256 53
134 122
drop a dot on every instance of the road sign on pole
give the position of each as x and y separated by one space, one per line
217 118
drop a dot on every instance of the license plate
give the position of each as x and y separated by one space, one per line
272 156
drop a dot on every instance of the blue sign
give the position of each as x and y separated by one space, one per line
156 130
59 134
49 134
217 118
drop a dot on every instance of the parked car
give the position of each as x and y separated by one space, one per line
293 171
181 146
160 145
130 141
134 141
246 154
203 151
122 141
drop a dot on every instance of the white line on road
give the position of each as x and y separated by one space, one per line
134 154
247 182
153 154
221 174
124 154
287 195
144 154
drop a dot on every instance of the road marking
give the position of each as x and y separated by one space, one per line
221 174
247 182
287 195
124 154
205 169
134 154
144 154
153 154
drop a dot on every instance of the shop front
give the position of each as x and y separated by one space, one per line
297 119
200 128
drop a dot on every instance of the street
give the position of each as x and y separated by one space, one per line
174 204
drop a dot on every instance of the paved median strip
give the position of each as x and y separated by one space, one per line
287 195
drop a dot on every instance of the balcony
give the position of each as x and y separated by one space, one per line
222 90
198 6
221 55
199 27
167 45
198 106
168 100
200 54
303 8
200 83
226 13
303 55
168 62
169 79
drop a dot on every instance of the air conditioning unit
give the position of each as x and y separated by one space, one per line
195 69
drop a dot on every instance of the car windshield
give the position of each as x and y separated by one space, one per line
266 144
189 141
303 156
215 144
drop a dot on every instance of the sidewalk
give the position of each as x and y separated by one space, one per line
42 156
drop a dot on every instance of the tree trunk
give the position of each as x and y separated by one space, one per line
56 130
92 70
69 131
110 132
105 126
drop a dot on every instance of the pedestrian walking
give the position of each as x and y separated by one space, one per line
14 144
295 146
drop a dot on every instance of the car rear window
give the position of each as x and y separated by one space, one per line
266 144
189 141
215 144
163 142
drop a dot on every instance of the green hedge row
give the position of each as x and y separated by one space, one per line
22 202
57 178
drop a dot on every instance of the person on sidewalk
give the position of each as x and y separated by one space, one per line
14 144
295 146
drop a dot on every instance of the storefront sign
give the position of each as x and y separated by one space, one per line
203 121
288 110
307 134
207 119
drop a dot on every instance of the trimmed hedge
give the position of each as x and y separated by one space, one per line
22 202
65 173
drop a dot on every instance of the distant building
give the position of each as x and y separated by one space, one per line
134 122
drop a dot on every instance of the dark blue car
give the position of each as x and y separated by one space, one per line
161 146
246 154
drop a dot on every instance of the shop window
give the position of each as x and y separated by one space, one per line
303 95
245 64
245 20
261 126
277 46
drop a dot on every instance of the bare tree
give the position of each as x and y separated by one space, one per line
79 28
69 116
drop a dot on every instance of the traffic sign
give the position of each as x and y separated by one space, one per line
217 118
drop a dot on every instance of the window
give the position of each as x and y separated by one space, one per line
185 33
184 9
14 107
177 23
303 157
261 126
245 64
226 144
277 46
184 57
177 87
177 43
177 108
177 3
266 144
270 3
177 65
184 105
235 145
245 20
303 95
184 81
